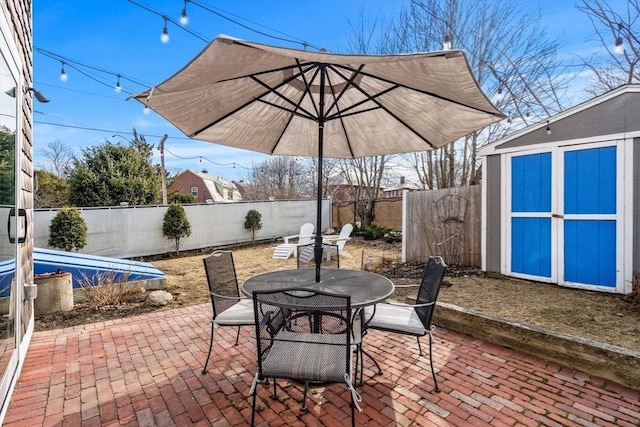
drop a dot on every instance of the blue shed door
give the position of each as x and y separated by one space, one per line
531 216
563 229
590 216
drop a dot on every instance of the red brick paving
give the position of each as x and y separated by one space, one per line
145 371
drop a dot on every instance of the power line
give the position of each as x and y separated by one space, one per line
115 132
289 40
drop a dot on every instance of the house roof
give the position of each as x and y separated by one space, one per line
598 116
214 184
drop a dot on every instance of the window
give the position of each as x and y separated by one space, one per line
230 195
194 191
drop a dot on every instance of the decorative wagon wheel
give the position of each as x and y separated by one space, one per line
451 213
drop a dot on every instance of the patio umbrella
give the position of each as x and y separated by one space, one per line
292 102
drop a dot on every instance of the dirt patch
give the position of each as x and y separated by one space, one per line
598 316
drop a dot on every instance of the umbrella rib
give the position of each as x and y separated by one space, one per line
424 92
357 104
337 107
346 87
307 86
269 90
375 101
306 114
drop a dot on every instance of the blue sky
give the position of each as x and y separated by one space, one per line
123 38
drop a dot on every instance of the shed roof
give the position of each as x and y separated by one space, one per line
615 113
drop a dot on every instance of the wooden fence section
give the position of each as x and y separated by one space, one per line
387 213
444 222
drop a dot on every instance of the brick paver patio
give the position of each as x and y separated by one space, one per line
145 371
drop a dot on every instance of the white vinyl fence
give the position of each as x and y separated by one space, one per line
135 231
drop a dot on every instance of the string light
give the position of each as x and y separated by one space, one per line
446 45
548 128
118 88
164 38
63 73
619 46
499 94
184 19
81 67
146 110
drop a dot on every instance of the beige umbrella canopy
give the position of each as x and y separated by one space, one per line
291 102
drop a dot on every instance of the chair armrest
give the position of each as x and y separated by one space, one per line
401 304
293 236
226 296
415 285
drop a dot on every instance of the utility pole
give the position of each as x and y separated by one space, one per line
164 179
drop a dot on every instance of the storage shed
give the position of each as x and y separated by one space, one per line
561 198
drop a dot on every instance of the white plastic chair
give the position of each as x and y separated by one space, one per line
336 246
286 249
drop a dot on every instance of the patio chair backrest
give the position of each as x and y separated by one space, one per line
306 234
345 232
429 289
303 334
222 280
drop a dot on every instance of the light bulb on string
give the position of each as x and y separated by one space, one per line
118 88
499 94
146 110
548 128
619 46
164 38
446 45
184 19
63 74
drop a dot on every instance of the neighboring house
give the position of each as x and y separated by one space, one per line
561 199
206 188
16 198
341 192
396 192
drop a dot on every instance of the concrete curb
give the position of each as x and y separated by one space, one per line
592 357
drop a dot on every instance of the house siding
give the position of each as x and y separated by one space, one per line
19 14
186 180
16 28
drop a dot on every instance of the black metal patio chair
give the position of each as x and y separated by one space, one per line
229 309
411 319
303 335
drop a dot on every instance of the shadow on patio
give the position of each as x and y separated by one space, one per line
145 371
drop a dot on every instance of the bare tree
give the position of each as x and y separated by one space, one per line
619 34
363 177
509 54
279 177
56 158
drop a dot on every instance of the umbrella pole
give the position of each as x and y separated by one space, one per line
317 249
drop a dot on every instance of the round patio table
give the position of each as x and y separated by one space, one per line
364 287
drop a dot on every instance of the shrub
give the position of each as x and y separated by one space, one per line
183 199
252 223
371 231
67 230
176 225
108 288
393 237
